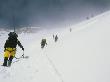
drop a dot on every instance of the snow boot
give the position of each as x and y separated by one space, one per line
10 60
5 61
9 63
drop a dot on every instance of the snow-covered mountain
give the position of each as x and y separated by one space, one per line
82 55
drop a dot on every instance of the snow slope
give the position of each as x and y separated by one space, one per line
79 56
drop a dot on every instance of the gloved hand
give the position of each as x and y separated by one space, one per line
23 49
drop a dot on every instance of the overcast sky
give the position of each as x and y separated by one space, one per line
48 13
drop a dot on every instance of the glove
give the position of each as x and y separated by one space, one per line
23 49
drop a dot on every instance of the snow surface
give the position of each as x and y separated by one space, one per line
82 55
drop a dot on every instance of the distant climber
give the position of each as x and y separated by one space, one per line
56 38
43 43
10 48
70 29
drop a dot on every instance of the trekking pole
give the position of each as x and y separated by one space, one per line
23 54
20 56
26 57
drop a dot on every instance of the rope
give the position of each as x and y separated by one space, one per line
55 69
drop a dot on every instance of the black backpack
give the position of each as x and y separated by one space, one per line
13 34
12 40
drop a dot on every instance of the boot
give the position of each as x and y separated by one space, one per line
5 61
9 63
10 60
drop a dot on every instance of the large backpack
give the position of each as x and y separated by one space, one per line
12 40
12 34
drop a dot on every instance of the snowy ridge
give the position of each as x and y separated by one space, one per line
91 21
82 55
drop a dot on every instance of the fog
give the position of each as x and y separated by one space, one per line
48 13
